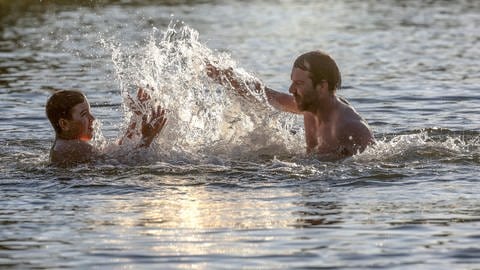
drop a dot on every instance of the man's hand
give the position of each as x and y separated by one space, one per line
250 90
228 78
224 77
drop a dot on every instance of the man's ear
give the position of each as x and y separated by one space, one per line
323 84
64 124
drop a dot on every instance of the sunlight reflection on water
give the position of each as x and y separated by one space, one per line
410 201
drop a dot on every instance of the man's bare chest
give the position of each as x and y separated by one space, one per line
326 139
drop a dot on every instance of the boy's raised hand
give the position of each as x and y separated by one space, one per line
152 127
139 106
153 119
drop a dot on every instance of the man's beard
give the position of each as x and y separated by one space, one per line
304 104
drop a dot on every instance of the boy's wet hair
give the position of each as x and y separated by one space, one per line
60 105
321 67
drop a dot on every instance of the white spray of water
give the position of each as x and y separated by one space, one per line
204 118
421 145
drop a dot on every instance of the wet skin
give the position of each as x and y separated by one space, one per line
72 145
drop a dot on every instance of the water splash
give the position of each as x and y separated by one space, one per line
426 144
204 118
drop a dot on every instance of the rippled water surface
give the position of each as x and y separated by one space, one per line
227 186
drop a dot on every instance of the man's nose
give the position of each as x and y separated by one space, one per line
292 89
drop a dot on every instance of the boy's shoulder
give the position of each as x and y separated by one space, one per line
71 152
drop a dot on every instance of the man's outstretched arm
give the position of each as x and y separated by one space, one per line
227 77
281 101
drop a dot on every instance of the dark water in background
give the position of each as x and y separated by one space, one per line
412 202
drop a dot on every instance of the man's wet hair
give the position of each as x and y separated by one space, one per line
60 105
321 67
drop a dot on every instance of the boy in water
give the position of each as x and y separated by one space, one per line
69 113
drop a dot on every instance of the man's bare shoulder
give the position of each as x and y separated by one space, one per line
352 128
347 112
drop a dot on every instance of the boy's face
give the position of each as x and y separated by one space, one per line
80 126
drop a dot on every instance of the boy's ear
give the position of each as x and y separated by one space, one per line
63 123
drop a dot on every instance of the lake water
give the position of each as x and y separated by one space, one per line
227 186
